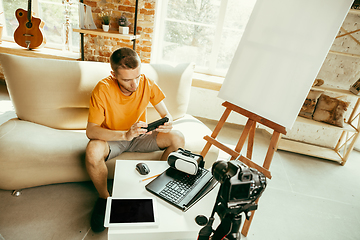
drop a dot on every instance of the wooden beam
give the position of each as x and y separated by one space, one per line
235 154
255 117
345 54
346 32
349 33
216 131
250 143
244 135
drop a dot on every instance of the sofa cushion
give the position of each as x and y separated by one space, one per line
57 93
33 155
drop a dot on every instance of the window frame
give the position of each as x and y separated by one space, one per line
35 7
160 19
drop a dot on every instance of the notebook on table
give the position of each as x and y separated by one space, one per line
180 189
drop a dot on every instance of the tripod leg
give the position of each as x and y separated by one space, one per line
234 233
224 228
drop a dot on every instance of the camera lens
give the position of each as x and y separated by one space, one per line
219 170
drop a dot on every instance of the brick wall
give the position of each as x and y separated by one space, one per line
99 48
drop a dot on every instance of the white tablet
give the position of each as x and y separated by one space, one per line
131 212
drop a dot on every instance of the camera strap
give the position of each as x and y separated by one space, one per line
190 154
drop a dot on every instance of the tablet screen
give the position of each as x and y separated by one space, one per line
132 211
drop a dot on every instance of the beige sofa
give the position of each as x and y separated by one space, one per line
46 143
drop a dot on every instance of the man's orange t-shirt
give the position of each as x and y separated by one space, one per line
111 109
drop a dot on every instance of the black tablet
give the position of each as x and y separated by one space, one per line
128 212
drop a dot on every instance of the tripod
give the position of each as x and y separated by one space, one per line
230 220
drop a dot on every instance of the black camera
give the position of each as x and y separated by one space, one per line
240 184
240 187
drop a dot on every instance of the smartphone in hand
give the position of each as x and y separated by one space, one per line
154 125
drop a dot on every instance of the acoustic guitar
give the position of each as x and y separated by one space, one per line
29 33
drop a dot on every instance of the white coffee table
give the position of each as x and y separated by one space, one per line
174 223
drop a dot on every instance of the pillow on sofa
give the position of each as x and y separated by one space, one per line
54 93
330 110
175 81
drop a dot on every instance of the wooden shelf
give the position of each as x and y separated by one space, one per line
100 32
336 90
349 134
355 11
345 54
347 127
113 34
308 149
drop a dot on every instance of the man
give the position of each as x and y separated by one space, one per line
117 114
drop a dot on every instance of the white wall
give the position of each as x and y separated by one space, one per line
337 71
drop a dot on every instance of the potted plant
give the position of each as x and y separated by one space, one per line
123 25
105 17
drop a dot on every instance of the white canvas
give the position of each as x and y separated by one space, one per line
280 54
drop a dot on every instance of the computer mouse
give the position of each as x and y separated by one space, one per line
142 168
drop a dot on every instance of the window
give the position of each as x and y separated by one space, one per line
54 13
206 32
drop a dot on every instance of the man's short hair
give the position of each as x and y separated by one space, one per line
124 58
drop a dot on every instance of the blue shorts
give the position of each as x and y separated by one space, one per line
142 143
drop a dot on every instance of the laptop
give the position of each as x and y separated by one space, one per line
180 189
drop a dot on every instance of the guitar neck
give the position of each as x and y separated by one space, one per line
29 11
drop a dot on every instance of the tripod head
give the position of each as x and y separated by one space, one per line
240 187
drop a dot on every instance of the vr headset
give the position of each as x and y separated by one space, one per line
185 161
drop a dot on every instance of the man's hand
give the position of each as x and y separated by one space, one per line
163 112
136 130
165 128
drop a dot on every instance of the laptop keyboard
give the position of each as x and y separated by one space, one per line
176 190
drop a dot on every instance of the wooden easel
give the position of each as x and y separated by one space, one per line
248 132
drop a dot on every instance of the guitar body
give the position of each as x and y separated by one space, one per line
28 34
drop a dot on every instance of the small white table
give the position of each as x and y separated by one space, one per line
173 223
